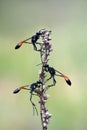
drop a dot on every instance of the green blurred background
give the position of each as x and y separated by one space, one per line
20 19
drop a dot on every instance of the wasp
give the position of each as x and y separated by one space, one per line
33 39
54 73
32 87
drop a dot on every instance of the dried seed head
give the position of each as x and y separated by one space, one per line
42 112
41 74
43 115
42 31
45 125
45 96
47 121
44 86
49 116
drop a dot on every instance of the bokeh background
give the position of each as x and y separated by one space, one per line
20 19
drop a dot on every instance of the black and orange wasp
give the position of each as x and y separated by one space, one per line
32 87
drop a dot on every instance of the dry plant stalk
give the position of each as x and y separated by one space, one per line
45 50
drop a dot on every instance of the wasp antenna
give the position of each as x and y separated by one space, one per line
39 64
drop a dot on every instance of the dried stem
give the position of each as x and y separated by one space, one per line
44 53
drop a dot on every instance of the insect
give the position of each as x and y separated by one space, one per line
33 39
32 89
54 73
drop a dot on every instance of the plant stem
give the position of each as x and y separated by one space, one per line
44 53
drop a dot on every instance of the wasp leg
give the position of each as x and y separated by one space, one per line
49 78
34 46
34 106
54 81
38 43
28 42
